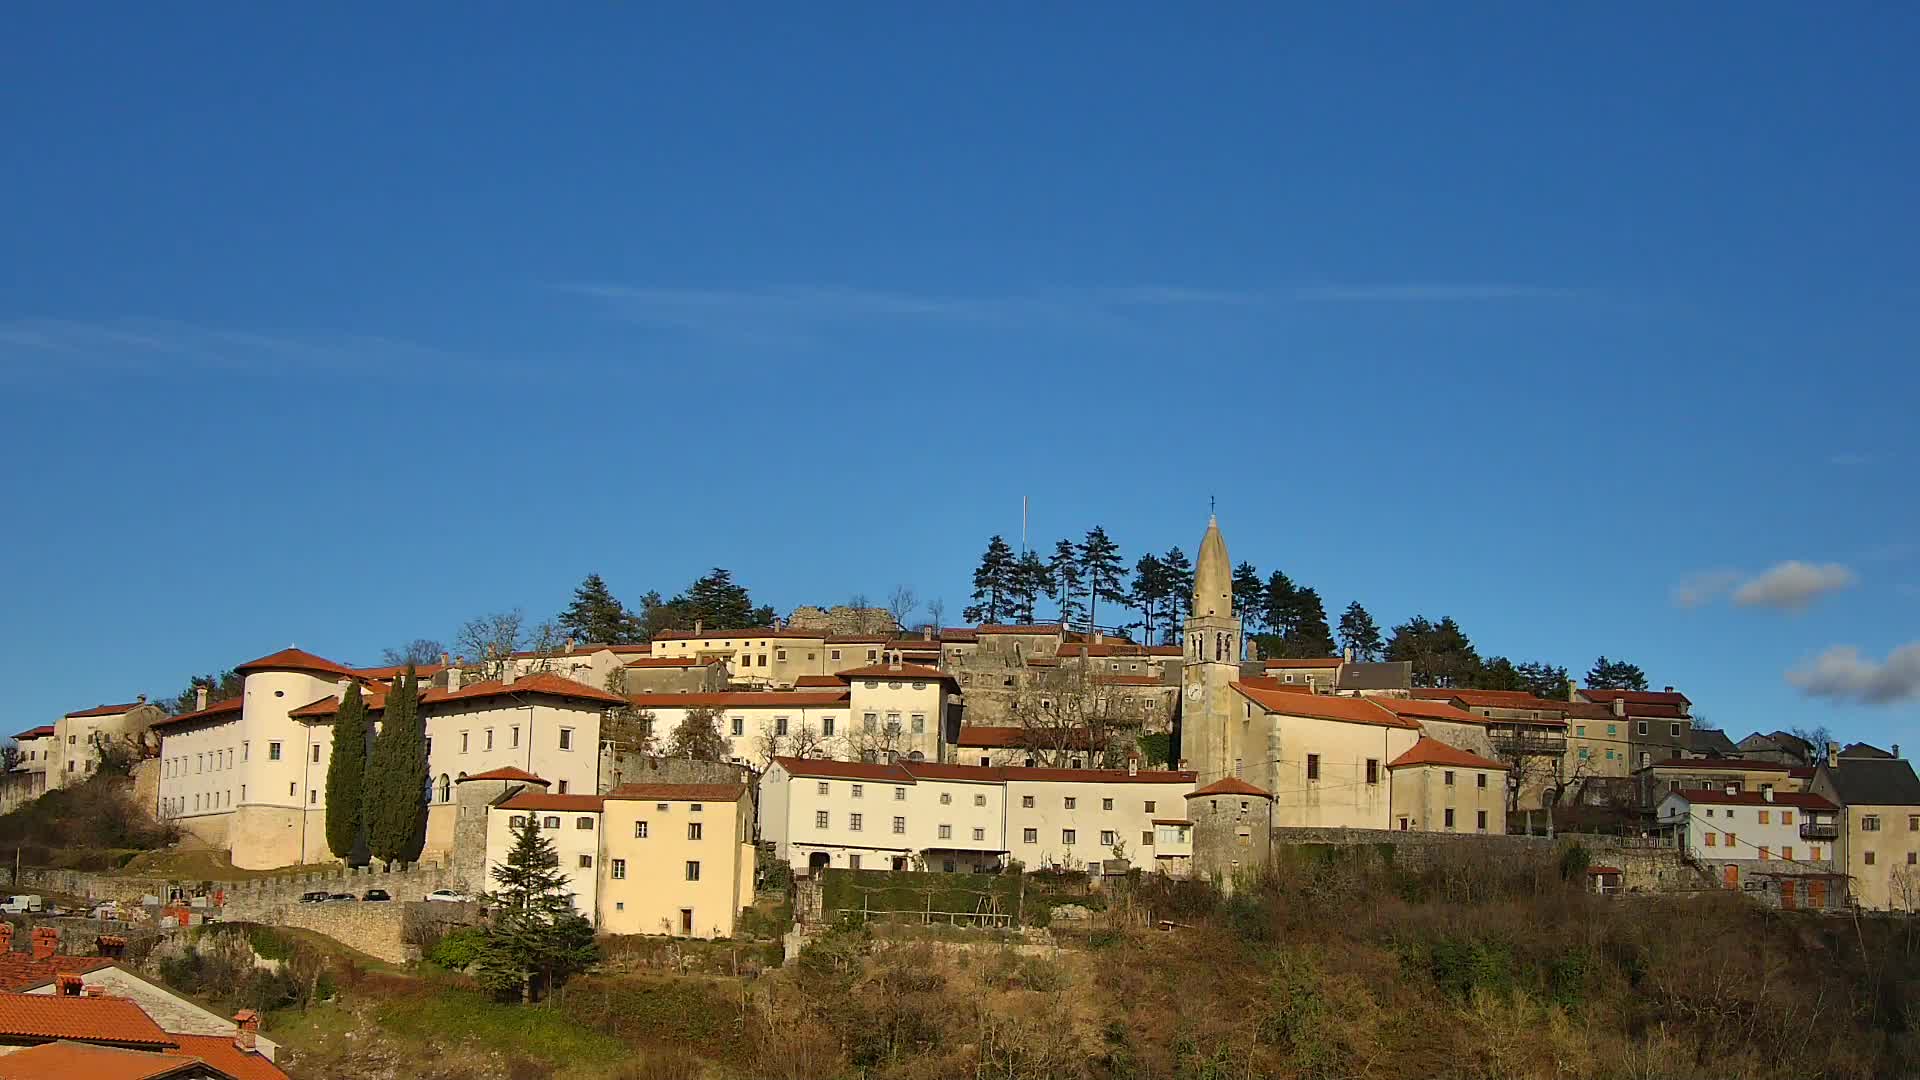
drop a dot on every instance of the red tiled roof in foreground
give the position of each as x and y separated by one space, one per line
1430 751
291 659
219 710
545 683
219 1052
1322 707
1231 785
111 1020
505 773
1800 800
700 793
20 972
106 710
79 1061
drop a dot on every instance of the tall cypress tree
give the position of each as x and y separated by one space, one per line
347 772
993 584
1360 633
397 777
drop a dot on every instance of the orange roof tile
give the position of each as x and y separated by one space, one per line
1322 707
533 800
1431 751
1231 785
1428 710
79 1061
1801 800
106 710
40 732
111 1020
1304 662
748 634
20 971
545 683
889 671
219 1052
291 659
739 699
817 680
701 793
506 773
219 710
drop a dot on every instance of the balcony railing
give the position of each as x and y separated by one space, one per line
1526 743
1819 830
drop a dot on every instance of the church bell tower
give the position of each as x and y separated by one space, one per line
1211 665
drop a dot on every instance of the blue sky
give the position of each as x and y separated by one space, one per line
339 327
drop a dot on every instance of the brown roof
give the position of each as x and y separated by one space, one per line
671 662
79 1061
530 800
105 710
217 710
506 773
679 792
219 1052
747 634
84 1019
1349 710
843 770
1032 628
1430 751
817 680
545 683
1721 765
1116 648
1268 682
1231 785
291 659
394 671
1638 697
905 771
890 671
1098 776
739 699
957 635
1305 662
1487 699
20 971
989 736
1802 800
1427 710
40 732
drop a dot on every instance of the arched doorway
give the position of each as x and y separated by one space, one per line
817 862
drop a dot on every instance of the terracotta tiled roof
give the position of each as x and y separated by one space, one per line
219 1052
1799 800
888 671
671 662
545 683
581 649
1419 709
79 1061
1097 776
40 732
1116 648
905 771
1638 697
740 699
1487 699
1031 629
1322 707
749 634
843 770
700 793
295 660
1722 765
528 800
20 971
1430 751
817 681
858 639
111 1020
1803 772
1304 662
105 710
1268 682
506 773
984 736
219 710
957 635
1231 785
394 671
935 770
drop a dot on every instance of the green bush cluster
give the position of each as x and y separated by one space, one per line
458 949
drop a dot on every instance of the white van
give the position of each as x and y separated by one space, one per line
20 905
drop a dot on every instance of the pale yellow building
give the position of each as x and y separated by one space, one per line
757 724
1323 758
1878 841
765 656
72 750
1439 788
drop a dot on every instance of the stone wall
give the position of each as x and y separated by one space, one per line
19 788
375 929
841 619
248 899
1644 867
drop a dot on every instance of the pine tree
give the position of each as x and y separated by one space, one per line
1151 591
698 736
1440 652
1360 633
1027 583
1543 680
1064 584
1279 605
595 616
716 601
536 939
1310 637
1102 571
396 786
1180 580
1248 594
1615 675
993 584
347 772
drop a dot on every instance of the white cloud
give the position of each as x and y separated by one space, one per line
1704 587
1842 673
1793 585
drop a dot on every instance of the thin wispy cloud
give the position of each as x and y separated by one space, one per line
775 312
158 346
1844 674
1794 585
1704 587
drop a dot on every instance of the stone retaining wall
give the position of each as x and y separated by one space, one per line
246 899
375 929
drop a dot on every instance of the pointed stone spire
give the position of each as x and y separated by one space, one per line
1213 575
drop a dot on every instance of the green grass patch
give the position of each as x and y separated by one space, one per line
452 1015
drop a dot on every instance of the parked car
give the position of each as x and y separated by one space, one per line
20 905
340 898
314 897
449 896
375 894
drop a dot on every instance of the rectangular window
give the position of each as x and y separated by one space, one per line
273 751
1712 839
1868 822
979 800
899 825
780 655
859 791
1482 822
826 727
1641 727
1765 854
489 738
1107 838
1766 818
619 870
833 654
1786 817
979 834
820 788
1613 729
313 796
1030 836
1449 820
1869 858
463 742
739 725
1373 770
870 722
583 822
779 725
1480 780
1026 801
514 739
1579 731
763 660
1313 766
819 819
1072 802
1676 730
586 862
316 754
1446 777
1066 837
693 873
693 830
1150 806
1787 852
1816 853
1106 804
899 794
945 798
1730 838
566 738
853 822
639 830
946 832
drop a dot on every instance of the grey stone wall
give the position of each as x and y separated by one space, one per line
249 899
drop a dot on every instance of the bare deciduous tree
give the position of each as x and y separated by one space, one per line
489 641
936 613
1071 714
806 743
901 604
421 651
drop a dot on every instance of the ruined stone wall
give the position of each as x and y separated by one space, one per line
841 619
374 929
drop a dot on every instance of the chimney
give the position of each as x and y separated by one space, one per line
1896 750
893 659
445 660
142 699
46 942
1099 637
569 646
93 990
1668 690
1619 706
926 632
6 937
699 625
1346 655
1833 755
66 985
1573 690
1766 792
110 944
199 698
246 1028
1133 763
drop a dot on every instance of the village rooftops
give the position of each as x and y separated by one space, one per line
671 662
534 800
542 683
749 634
1346 710
106 710
507 772
1637 697
700 793
81 1061
1861 781
1116 649
906 772
219 710
741 699
1297 662
1702 764
110 1021
292 659
1802 800
895 672
1420 709
20 972
40 732
1024 629
1230 785
1431 751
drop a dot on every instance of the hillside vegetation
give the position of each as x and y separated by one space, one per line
1335 966
93 825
